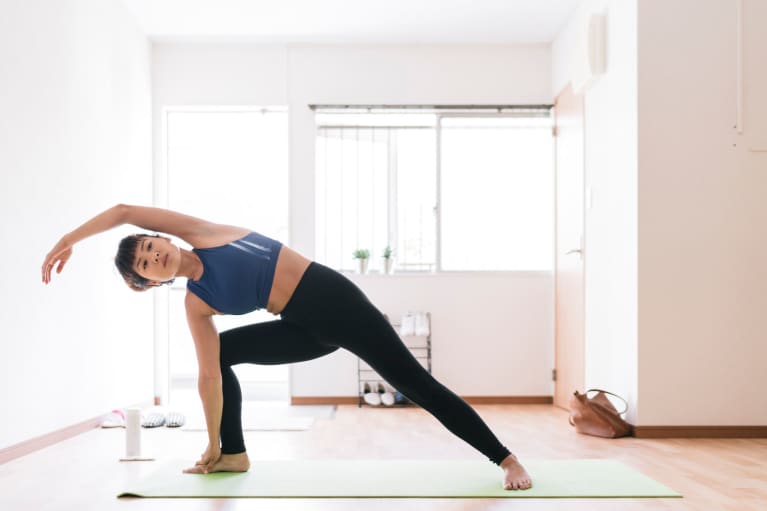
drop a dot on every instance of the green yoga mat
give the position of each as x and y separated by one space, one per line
400 478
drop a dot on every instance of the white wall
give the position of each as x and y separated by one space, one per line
674 239
702 215
512 346
74 140
492 333
610 224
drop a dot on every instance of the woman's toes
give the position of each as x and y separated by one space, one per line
522 484
518 485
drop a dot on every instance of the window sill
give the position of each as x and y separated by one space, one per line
444 273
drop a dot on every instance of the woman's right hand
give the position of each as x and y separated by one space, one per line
60 254
210 456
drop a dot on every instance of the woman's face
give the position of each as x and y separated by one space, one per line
156 259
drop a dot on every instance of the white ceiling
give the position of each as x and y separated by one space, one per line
354 21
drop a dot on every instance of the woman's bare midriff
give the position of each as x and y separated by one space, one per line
290 268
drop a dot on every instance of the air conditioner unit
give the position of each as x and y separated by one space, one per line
590 53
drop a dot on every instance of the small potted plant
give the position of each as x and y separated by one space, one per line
362 255
388 260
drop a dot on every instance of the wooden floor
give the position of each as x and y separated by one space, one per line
84 473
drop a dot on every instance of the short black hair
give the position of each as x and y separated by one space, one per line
126 255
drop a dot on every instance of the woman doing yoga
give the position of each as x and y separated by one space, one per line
233 270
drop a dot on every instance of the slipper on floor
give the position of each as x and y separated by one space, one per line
152 420
116 419
175 420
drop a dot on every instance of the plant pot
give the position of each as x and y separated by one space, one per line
388 265
362 266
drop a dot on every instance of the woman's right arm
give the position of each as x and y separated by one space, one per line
189 228
62 251
195 231
113 217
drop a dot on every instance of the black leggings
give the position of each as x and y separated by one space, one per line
328 311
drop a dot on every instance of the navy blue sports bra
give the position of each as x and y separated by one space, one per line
237 277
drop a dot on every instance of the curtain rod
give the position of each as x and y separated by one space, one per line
436 107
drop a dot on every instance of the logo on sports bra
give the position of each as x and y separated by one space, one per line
263 249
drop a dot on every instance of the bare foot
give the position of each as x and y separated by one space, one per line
515 475
227 463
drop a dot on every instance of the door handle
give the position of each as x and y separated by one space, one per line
574 251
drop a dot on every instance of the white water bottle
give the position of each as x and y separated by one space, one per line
133 433
133 436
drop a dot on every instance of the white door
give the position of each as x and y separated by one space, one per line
568 276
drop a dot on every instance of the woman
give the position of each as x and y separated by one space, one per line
232 270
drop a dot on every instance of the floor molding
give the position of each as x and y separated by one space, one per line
700 431
323 400
43 441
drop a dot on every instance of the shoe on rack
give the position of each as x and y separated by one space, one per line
372 398
400 398
366 388
387 398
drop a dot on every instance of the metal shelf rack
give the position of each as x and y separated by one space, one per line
419 346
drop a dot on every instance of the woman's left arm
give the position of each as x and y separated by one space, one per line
209 383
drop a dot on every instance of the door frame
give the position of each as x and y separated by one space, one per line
575 371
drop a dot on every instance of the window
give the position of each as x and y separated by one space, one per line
457 191
376 187
497 180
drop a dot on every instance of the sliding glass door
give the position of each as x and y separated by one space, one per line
228 166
